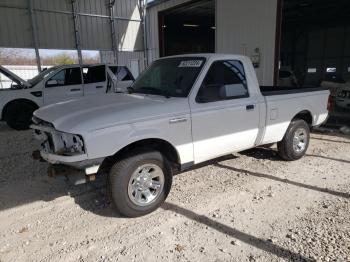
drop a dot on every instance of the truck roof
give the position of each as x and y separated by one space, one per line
216 56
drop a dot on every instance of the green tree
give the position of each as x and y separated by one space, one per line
63 59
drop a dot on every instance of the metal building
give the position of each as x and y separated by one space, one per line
116 29
113 27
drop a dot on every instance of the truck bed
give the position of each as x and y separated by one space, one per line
284 103
284 90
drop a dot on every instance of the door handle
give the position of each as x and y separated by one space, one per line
99 86
75 89
250 107
177 120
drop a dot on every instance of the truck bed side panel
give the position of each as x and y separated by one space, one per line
281 109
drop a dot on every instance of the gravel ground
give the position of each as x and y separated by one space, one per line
245 207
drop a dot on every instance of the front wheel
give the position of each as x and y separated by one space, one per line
19 115
295 142
140 183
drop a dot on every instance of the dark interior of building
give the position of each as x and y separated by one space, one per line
188 28
316 40
315 50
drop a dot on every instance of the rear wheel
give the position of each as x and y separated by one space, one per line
295 142
140 183
18 115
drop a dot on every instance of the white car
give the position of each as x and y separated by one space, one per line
57 84
182 111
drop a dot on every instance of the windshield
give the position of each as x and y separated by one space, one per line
35 80
171 77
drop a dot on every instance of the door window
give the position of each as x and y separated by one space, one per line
225 80
65 77
94 74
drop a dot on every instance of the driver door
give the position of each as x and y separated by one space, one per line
64 85
225 118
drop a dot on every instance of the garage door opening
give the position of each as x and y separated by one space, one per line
316 40
188 28
315 48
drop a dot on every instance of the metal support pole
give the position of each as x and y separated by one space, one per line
113 32
34 34
142 5
76 32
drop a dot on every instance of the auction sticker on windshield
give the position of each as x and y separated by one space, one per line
191 63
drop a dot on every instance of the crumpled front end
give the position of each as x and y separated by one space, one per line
61 148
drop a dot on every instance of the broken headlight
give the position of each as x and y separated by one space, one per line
66 144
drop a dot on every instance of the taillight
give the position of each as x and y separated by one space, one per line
329 104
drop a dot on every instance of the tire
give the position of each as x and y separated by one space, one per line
19 115
123 181
292 148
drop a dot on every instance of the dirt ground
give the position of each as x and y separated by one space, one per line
249 206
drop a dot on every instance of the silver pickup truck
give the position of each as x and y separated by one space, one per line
181 111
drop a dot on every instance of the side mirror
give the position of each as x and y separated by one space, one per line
51 83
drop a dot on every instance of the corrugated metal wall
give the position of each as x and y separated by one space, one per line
124 58
55 28
15 26
242 26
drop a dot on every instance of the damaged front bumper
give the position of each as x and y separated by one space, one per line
72 175
64 151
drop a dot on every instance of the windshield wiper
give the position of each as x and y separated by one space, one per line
149 90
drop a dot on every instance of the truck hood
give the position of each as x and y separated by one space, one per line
14 77
98 112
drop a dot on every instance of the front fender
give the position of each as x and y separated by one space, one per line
9 96
107 142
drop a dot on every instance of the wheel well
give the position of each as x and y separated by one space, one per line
304 115
3 115
160 145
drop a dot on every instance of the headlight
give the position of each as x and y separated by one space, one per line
57 142
67 144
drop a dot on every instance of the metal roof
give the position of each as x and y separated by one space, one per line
54 24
